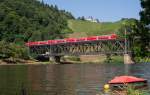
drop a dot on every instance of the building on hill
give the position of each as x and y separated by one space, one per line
91 19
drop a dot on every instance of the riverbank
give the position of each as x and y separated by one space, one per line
94 59
17 61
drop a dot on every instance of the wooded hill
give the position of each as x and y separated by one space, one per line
29 20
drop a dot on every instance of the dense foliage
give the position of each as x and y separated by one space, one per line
142 29
139 31
145 19
12 50
138 36
30 20
145 13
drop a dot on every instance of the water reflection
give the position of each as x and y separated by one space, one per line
11 80
70 79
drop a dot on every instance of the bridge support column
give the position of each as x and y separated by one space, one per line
55 59
128 59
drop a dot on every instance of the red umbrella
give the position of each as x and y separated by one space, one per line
126 79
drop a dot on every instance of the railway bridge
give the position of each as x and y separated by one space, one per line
94 45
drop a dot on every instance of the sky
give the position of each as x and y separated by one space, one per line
104 10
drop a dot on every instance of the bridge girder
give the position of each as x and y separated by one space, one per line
81 48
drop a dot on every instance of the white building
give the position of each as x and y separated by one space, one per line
91 19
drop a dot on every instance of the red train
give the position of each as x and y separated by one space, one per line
73 40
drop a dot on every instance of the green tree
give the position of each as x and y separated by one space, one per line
138 36
145 20
29 20
11 50
145 13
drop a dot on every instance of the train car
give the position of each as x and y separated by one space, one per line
32 44
113 36
51 42
71 40
92 38
60 41
81 39
105 37
42 42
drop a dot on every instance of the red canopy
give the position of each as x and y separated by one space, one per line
126 79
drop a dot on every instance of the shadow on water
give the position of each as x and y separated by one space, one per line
67 79
66 63
23 90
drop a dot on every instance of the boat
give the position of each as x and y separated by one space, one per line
122 82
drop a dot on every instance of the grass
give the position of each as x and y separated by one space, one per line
86 28
127 90
115 59
93 59
142 60
131 91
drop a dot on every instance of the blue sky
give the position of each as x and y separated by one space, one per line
104 10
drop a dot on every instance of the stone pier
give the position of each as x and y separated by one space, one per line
128 59
55 59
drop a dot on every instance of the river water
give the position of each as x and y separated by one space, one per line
64 79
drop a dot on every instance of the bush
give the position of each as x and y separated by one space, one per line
11 50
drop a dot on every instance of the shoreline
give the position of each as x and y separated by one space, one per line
83 60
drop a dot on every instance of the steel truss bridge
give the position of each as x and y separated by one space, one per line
82 48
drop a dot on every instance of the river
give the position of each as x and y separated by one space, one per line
64 79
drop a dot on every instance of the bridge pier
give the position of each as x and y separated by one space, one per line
128 59
55 59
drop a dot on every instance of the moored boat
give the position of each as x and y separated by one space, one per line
121 82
